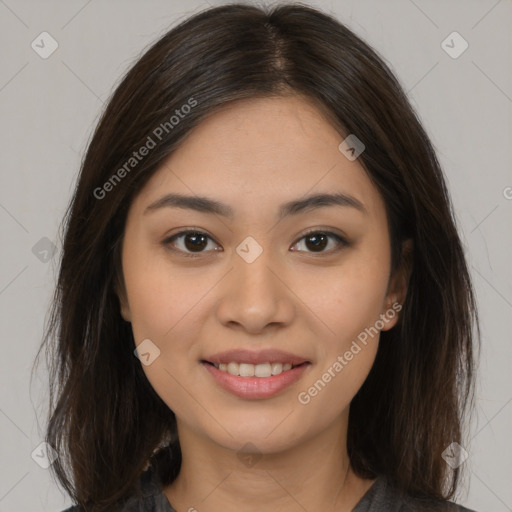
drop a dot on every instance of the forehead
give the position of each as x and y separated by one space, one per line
262 151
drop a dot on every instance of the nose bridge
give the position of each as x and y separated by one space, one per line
255 295
256 275
254 279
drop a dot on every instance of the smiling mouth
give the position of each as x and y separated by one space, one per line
254 370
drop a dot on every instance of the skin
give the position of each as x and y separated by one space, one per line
255 155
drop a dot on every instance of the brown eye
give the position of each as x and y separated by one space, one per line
195 241
317 241
189 242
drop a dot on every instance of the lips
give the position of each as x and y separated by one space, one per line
251 357
256 388
286 369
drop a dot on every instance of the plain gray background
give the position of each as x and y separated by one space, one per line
49 107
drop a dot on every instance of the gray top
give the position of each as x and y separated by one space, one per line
381 497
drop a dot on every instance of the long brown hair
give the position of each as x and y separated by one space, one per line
105 420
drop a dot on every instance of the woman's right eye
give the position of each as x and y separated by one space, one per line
194 241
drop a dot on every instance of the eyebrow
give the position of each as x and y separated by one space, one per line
206 205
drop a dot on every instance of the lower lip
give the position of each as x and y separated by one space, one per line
256 387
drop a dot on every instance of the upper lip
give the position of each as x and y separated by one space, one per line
250 357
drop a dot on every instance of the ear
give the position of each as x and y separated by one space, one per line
118 281
125 309
397 289
120 291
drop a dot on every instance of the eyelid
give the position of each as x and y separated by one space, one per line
167 242
329 232
342 240
325 231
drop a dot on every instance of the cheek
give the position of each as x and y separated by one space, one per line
349 305
164 307
347 299
161 299
333 386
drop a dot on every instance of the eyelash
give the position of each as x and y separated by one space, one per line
167 242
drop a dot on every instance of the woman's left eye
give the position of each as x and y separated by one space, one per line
196 242
318 240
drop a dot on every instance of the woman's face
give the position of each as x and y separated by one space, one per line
255 280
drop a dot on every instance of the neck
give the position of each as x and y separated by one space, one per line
315 475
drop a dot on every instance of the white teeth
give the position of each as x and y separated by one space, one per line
246 370
233 368
277 368
252 370
263 370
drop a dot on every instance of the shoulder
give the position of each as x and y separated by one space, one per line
417 505
146 497
384 497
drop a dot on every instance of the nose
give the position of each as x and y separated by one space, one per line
255 296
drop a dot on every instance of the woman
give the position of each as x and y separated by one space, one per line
263 301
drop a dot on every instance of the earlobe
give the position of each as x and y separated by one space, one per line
123 302
125 311
118 283
399 286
